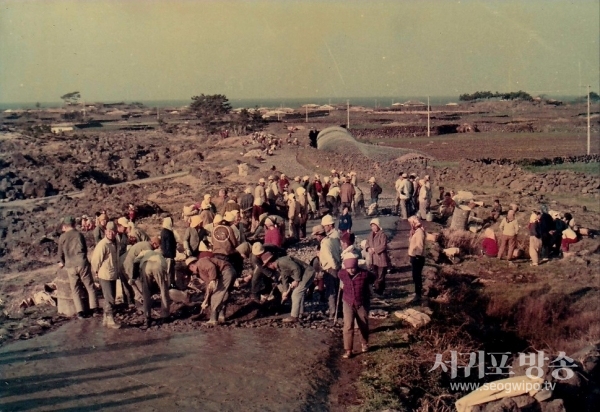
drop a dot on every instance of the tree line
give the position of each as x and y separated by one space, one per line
520 95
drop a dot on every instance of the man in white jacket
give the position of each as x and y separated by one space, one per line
105 265
402 191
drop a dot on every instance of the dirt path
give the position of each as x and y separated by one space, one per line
399 285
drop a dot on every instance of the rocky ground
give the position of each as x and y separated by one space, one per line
511 302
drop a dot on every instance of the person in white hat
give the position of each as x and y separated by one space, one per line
333 199
224 242
105 266
247 200
416 252
425 196
122 239
283 182
330 255
260 200
378 251
402 196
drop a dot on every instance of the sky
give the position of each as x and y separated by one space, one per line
170 50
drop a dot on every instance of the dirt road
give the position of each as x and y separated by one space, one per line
85 366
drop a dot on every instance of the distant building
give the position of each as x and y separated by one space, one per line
61 127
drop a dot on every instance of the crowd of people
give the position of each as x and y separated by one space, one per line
226 232
223 233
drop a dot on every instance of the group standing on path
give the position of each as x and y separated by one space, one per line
224 232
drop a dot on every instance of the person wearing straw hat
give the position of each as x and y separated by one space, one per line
295 276
376 190
489 245
218 276
416 252
378 252
193 235
122 239
535 238
262 277
355 303
72 252
330 259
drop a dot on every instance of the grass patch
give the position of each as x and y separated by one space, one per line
587 168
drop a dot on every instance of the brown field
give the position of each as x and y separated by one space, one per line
495 145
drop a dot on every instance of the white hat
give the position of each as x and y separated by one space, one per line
270 177
207 197
336 180
327 220
218 219
404 175
297 179
282 176
257 249
375 222
248 190
333 171
300 191
305 178
123 221
372 180
229 217
190 260
291 196
262 180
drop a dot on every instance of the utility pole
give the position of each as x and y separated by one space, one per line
83 105
428 122
588 120
348 114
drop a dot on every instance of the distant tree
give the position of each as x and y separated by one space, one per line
38 105
520 95
248 120
594 97
210 110
71 98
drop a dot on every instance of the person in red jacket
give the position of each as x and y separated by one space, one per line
273 235
489 245
356 303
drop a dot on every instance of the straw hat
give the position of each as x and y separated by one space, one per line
372 180
327 220
190 260
195 221
123 221
258 249
218 219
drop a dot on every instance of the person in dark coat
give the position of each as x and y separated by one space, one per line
168 247
546 225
